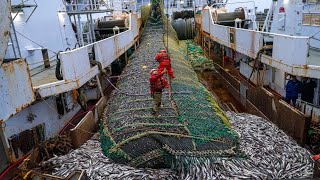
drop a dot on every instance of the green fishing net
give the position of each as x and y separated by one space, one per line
198 60
190 122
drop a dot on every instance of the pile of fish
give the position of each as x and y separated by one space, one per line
89 157
268 153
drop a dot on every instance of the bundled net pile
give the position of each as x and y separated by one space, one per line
198 60
190 122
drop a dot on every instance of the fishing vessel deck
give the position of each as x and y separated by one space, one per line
41 75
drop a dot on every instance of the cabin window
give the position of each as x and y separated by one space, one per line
311 19
313 1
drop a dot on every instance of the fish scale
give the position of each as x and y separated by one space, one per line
268 162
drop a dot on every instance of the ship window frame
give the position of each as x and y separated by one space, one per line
313 2
311 20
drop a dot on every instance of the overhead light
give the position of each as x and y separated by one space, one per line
181 2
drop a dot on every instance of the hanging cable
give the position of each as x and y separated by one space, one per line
35 42
41 61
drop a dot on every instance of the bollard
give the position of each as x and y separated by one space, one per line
45 58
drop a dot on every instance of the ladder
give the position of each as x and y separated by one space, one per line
14 40
268 22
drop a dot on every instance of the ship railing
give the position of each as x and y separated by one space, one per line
309 109
291 54
76 66
92 5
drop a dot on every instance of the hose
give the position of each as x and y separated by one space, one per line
58 67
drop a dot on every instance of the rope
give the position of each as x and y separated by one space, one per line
43 70
128 94
51 106
40 61
35 42
81 129
122 91
69 121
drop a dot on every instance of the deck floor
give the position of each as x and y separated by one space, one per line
41 75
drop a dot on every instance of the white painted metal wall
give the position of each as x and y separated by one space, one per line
45 112
247 42
15 87
290 50
294 10
75 64
49 26
290 53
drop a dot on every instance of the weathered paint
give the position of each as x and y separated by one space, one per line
4 158
16 88
291 50
64 86
246 41
298 70
75 64
43 113
4 28
249 43
49 26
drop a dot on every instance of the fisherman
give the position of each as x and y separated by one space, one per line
164 62
157 84
307 90
292 90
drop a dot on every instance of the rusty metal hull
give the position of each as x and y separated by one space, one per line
16 88
4 28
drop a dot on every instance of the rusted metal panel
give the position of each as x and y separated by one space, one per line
4 28
198 18
64 86
16 88
293 122
262 103
298 70
248 42
309 110
83 131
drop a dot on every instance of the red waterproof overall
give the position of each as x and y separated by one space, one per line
164 62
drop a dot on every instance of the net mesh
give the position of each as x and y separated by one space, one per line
190 123
196 57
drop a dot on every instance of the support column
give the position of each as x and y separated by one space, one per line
222 49
92 29
126 57
209 54
99 85
80 31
